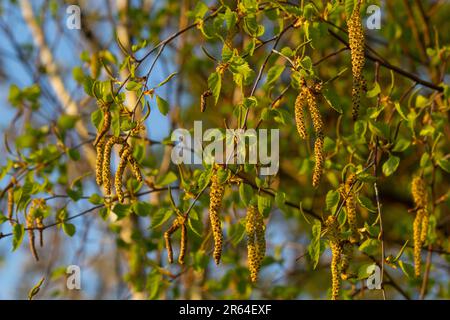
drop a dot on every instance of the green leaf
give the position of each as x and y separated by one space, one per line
400 110
332 200
363 271
332 99
166 179
280 199
69 229
133 86
401 145
173 74
314 246
18 232
67 122
161 216
95 199
230 18
163 105
370 246
97 118
121 210
274 73
154 281
444 164
407 269
374 91
390 165
349 7
264 205
380 129
215 85
366 203
142 208
246 193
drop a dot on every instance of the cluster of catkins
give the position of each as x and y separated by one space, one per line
341 254
178 223
256 242
308 97
255 228
356 42
420 226
104 145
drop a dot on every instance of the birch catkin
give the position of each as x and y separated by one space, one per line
10 204
119 173
420 225
350 204
256 242
356 42
99 161
183 244
175 226
332 227
106 124
106 165
29 223
216 195
299 107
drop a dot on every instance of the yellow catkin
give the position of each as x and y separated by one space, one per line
420 225
40 226
29 222
10 204
319 159
183 244
356 43
106 124
119 173
299 107
314 110
417 243
99 161
216 195
256 242
332 227
135 168
174 227
350 205
106 166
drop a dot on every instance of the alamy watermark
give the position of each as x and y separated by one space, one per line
73 281
230 146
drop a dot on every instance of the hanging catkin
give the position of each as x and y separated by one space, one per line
347 255
99 161
299 107
216 195
119 173
318 129
356 42
29 223
256 242
183 244
332 227
135 167
10 204
106 124
350 204
106 166
40 226
319 159
420 225
174 227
